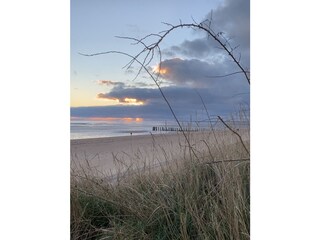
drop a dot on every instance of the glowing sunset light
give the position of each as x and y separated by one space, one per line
133 101
130 100
139 119
120 101
161 70
125 119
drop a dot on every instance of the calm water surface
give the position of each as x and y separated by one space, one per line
80 129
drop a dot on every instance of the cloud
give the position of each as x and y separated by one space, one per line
187 72
122 111
176 95
120 85
105 96
197 48
121 100
197 73
200 63
184 101
110 83
232 18
142 84
143 94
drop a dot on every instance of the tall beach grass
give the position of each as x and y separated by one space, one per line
200 194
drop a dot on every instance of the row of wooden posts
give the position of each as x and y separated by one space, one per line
176 129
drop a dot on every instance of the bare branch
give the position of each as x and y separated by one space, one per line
147 54
226 75
212 127
216 36
169 24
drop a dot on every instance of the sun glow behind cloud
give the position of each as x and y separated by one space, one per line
160 70
120 101
165 69
133 101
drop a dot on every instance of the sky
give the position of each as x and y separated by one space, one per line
102 87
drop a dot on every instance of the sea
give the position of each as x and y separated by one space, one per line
81 129
113 127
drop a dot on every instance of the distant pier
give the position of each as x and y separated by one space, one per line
201 126
177 129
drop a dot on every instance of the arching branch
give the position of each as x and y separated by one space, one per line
203 26
133 58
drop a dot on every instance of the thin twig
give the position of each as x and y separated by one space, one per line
244 146
226 75
212 128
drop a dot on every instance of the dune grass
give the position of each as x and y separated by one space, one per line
192 197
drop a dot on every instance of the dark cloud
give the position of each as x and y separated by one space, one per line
191 72
147 112
104 96
197 73
232 18
144 94
184 101
176 95
198 48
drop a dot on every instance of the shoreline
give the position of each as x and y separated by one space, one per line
147 134
105 139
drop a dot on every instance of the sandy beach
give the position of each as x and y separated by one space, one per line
108 155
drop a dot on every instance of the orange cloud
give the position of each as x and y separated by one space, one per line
132 101
160 70
102 95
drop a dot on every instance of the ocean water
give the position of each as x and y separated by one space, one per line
80 129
